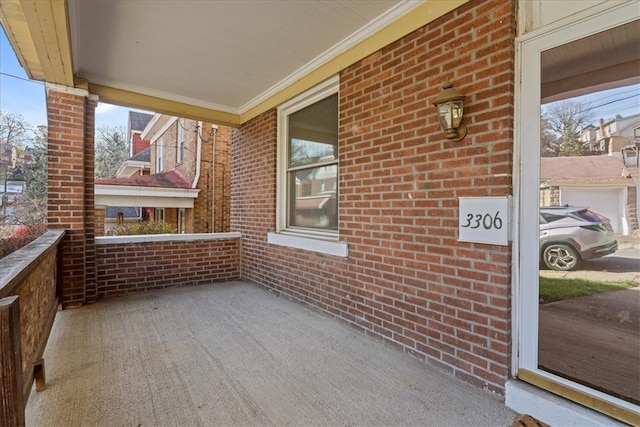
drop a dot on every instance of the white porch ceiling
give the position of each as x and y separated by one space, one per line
223 55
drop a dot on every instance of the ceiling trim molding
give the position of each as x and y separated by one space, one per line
349 52
163 106
163 95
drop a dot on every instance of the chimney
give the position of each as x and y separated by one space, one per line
604 139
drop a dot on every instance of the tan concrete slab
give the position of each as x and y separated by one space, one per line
236 354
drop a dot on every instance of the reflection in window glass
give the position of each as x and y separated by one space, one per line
313 197
313 165
307 152
587 332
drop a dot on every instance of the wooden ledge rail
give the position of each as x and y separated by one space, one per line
11 396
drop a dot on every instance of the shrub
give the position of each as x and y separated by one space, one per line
30 211
20 236
144 227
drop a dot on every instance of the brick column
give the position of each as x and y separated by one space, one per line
70 115
91 288
99 213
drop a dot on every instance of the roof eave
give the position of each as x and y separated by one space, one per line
39 34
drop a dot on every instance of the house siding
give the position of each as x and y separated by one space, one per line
406 278
139 144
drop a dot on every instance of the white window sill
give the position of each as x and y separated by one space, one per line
309 244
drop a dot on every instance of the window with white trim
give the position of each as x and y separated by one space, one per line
308 163
182 215
180 142
159 155
308 173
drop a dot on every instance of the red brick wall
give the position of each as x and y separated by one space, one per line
214 179
253 198
222 180
134 267
89 200
406 278
71 190
201 214
100 212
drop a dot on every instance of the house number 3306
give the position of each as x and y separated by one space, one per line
487 221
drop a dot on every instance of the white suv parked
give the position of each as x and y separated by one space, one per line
570 235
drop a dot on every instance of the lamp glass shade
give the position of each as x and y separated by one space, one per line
444 116
456 113
449 105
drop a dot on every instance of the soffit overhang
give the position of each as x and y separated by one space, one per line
158 197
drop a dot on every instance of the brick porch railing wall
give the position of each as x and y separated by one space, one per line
128 264
406 277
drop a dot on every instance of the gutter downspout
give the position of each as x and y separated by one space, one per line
198 155
214 130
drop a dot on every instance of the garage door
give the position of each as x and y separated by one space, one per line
609 202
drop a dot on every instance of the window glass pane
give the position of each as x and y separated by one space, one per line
313 133
309 152
313 198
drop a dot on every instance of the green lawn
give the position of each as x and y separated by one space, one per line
556 289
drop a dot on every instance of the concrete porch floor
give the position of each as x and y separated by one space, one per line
237 354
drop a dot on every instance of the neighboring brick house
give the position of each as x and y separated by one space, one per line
108 218
136 124
616 134
138 162
201 153
589 140
182 155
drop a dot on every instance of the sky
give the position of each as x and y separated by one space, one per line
21 96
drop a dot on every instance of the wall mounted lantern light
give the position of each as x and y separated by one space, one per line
449 105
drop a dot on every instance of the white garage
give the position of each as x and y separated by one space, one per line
608 201
601 183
